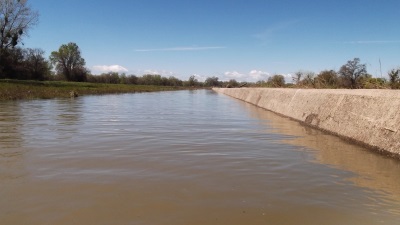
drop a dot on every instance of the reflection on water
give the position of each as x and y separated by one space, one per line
187 157
10 124
10 142
370 170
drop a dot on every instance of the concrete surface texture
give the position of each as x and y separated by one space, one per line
370 117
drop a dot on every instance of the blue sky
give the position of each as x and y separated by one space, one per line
247 40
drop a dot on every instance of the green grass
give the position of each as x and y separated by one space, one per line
18 89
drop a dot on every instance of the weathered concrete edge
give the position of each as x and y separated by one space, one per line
367 117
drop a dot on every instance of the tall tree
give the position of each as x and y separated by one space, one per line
69 62
16 17
192 81
232 83
297 77
276 81
212 82
352 71
36 66
309 79
11 63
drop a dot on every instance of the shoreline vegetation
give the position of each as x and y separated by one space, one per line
23 89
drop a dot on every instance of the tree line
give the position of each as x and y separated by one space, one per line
16 18
155 79
352 75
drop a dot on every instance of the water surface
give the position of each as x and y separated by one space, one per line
185 157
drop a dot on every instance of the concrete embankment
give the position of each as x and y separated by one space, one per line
368 117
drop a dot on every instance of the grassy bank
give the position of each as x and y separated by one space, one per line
17 89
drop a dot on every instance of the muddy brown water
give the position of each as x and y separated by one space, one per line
186 157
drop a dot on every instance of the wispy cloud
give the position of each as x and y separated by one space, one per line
180 49
199 77
274 29
374 42
111 68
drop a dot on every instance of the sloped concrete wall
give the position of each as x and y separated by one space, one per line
369 117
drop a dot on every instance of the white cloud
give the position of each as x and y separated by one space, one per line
257 75
158 72
252 76
112 68
179 49
275 29
234 75
288 77
200 78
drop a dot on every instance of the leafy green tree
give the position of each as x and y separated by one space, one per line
110 78
122 78
192 82
276 81
107 78
212 82
150 79
369 82
261 83
69 62
114 78
232 83
11 63
132 79
327 79
352 71
173 81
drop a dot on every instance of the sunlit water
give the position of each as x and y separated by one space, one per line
186 157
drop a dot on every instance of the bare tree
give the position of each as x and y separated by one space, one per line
297 77
16 17
352 71
36 66
309 79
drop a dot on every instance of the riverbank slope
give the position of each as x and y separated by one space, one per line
368 117
20 89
